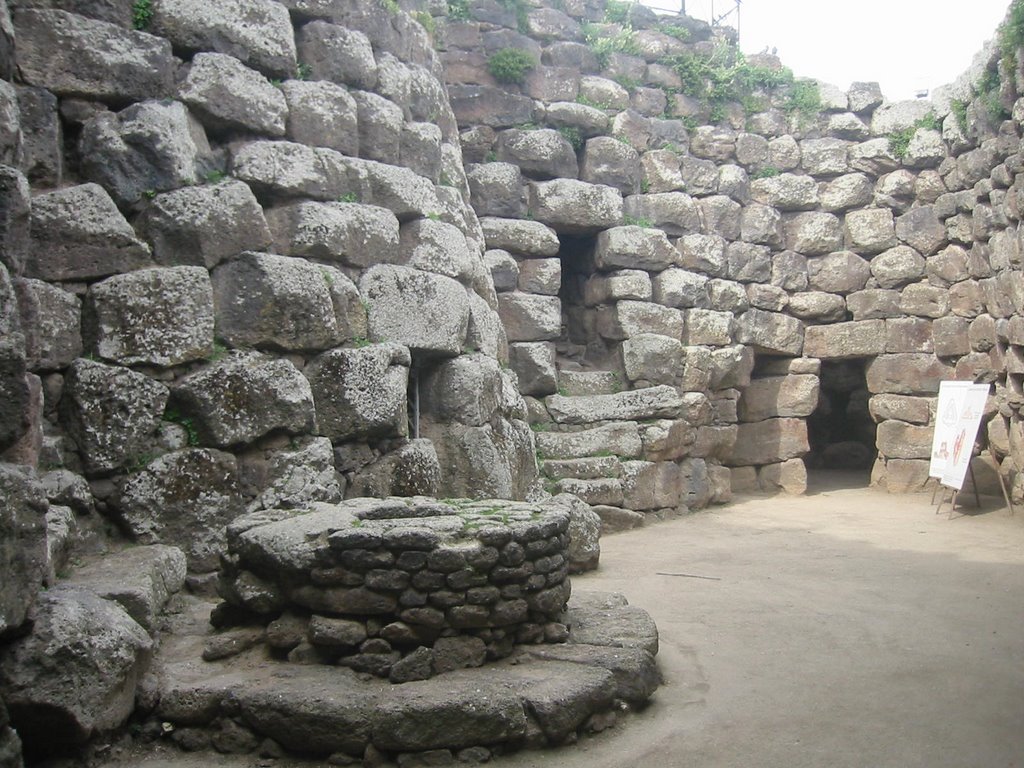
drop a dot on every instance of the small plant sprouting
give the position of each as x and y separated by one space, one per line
767 172
214 177
899 141
636 221
328 277
391 6
360 341
349 197
220 351
458 10
303 71
491 157
427 22
510 65
175 416
142 13
959 110
573 136
149 194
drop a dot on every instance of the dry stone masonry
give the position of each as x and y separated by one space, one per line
277 265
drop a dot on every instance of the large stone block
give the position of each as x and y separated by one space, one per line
633 247
621 439
841 272
322 114
78 233
14 219
611 162
497 189
921 229
770 332
76 674
748 263
769 442
626 319
529 317
425 312
111 413
651 485
660 402
540 154
203 225
42 147
23 554
786 192
282 169
897 266
574 206
438 247
467 389
925 300
528 238
787 396
243 397
159 316
907 374
862 338
681 288
899 440
149 147
184 499
913 410
495 460
675 213
707 327
227 95
412 470
380 123
338 52
653 358
351 233
788 476
870 230
51 319
361 393
256 32
534 365
73 56
269 301
813 233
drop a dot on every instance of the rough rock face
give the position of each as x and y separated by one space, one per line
22 546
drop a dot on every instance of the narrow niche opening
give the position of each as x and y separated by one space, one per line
583 294
840 431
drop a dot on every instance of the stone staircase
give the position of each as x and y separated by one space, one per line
626 452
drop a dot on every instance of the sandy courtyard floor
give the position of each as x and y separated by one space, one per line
842 629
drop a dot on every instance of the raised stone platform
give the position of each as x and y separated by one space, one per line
541 695
402 588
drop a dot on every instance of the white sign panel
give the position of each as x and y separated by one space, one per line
966 430
947 415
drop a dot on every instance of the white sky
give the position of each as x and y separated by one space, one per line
906 45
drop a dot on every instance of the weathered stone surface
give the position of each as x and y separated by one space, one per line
467 389
897 266
111 413
228 95
243 397
289 169
151 146
817 306
651 485
841 272
504 269
51 321
360 393
78 233
23 552
853 190
269 301
574 206
380 123
870 230
625 319
79 667
351 233
438 247
42 157
497 189
584 534
529 238
622 439
412 470
534 365
141 580
770 331
813 233
183 499
675 213
204 225
622 626
761 224
873 303
907 374
322 114
786 192
788 476
633 247
298 476
256 32
613 163
540 154
949 334
899 440
650 403
158 316
779 396
913 410
653 358
681 288
540 276
769 442
14 219
74 56
706 326
491 461
921 229
861 338
338 53
925 300
415 309
529 317
490 106
748 263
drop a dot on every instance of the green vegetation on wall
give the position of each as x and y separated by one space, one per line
899 141
510 65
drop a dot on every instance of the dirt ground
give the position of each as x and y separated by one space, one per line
845 628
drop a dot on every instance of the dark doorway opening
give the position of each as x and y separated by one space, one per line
580 296
841 432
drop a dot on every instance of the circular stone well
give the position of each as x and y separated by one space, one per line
402 588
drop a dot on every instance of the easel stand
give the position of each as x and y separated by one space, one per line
954 493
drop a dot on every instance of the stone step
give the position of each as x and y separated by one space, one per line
575 383
661 402
621 439
540 698
588 468
602 490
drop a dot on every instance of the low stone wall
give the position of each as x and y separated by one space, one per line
403 587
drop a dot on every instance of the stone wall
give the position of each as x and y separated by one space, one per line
803 278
